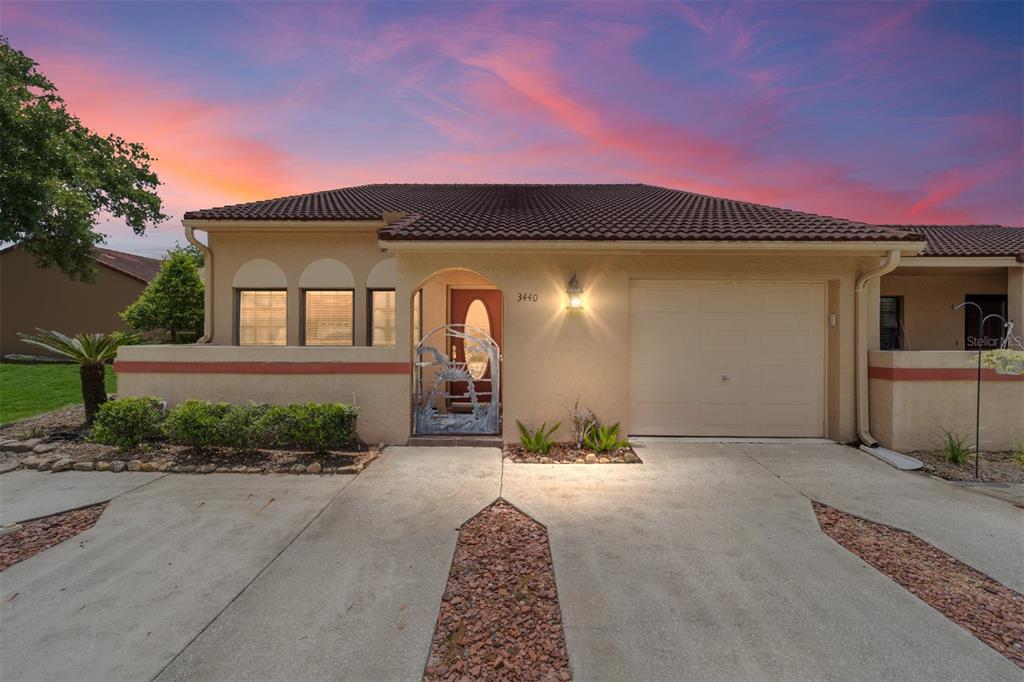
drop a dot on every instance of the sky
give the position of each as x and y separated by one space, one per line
883 112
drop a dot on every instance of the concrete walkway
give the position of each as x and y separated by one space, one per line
703 564
119 601
356 597
31 494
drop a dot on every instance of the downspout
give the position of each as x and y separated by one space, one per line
892 260
207 336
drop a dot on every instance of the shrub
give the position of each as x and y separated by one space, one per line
202 424
955 447
313 426
583 419
538 441
128 422
604 438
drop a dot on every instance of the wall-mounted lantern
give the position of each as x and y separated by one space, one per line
575 293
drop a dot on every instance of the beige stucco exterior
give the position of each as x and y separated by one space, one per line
33 297
910 414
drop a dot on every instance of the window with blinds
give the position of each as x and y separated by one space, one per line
891 319
382 317
262 317
327 317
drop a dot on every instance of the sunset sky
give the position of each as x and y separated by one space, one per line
882 112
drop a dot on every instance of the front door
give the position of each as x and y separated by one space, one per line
480 311
992 335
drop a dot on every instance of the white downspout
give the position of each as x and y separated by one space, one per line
207 336
892 260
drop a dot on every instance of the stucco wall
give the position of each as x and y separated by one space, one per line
909 409
549 357
929 321
31 297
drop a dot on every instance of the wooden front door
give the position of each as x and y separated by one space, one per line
479 308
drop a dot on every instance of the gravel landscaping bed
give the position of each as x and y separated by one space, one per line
568 453
500 618
997 467
56 442
984 607
23 540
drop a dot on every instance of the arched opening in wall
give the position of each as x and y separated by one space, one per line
457 325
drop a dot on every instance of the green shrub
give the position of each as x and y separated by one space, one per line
128 422
312 426
955 447
538 441
202 424
604 438
1019 454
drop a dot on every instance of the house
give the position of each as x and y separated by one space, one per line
457 310
32 297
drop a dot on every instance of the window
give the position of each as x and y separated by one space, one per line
262 317
327 317
381 323
891 318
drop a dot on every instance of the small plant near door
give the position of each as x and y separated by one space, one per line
583 420
600 438
955 447
538 442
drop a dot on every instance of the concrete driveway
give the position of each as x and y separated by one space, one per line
707 563
704 563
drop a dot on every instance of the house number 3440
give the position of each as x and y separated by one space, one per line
527 297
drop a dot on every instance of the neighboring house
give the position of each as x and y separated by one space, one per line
670 312
32 297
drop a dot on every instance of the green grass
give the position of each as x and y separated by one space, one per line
27 390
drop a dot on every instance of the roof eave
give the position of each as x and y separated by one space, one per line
907 248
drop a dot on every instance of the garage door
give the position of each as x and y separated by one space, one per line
727 359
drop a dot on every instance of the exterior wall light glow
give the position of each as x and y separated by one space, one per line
575 293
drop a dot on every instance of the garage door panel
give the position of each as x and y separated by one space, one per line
767 338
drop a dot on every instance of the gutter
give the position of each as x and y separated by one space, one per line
207 336
892 260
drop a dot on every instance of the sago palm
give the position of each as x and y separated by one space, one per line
91 352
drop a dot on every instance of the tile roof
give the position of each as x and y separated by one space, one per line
133 265
970 240
555 212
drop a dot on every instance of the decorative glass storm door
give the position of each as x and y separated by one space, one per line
478 312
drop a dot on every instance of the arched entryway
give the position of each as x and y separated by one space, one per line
457 323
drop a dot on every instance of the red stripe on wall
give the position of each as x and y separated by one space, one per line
137 366
939 374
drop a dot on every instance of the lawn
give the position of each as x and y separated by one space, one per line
26 389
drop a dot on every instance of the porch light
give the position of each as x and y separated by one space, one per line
575 292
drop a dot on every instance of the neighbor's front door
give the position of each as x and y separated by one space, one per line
477 309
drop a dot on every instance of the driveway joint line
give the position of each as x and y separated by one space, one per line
254 579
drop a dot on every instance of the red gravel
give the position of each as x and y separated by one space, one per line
987 609
500 618
36 536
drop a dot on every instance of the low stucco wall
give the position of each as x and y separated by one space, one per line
366 377
915 395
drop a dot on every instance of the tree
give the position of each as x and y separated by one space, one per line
173 300
57 176
92 352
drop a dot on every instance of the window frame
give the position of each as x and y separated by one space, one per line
237 336
899 321
370 291
302 317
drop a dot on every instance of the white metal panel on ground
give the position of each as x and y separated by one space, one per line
727 359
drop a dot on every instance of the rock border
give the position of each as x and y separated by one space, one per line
500 618
46 457
986 608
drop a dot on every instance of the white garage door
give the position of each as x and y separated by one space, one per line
727 359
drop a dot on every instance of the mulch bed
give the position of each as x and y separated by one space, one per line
996 467
500 618
27 539
568 453
987 609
